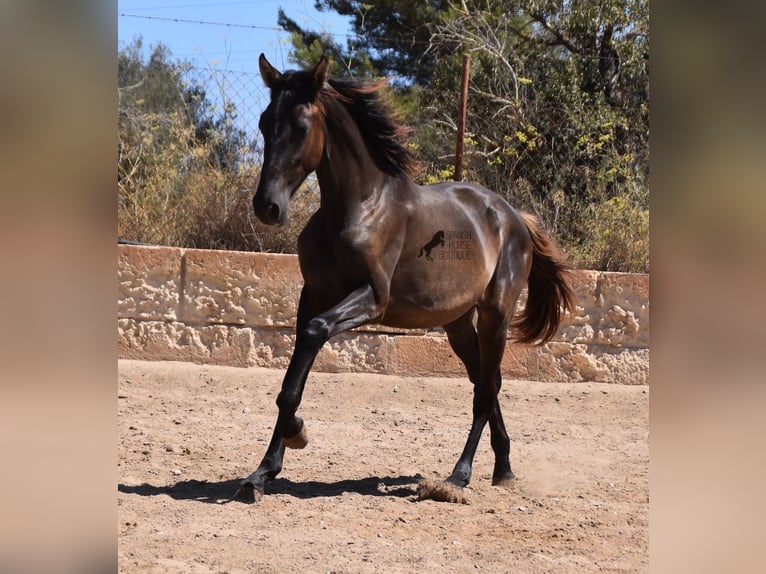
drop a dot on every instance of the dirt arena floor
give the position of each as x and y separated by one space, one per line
348 502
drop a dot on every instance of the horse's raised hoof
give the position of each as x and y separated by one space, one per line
441 491
248 493
298 441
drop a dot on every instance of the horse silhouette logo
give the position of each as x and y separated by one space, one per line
437 239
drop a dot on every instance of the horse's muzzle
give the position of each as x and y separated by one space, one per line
267 212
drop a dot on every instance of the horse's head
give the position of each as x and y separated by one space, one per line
294 136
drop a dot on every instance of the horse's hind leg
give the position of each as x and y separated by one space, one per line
463 339
465 342
502 475
490 343
481 359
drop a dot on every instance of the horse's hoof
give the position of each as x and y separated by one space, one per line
441 491
248 493
298 441
505 480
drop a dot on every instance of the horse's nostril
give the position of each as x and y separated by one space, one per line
272 212
267 212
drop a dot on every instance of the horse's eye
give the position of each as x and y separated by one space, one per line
303 118
304 123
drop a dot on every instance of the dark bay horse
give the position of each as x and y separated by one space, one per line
359 254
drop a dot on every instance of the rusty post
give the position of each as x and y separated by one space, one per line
461 120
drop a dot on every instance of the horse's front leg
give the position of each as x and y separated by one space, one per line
358 308
253 486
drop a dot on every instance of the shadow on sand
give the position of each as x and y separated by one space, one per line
225 491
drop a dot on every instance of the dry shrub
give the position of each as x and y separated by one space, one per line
617 237
175 191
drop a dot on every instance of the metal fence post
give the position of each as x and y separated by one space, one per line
461 119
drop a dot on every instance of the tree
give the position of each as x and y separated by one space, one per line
558 121
158 86
308 46
183 171
558 118
390 37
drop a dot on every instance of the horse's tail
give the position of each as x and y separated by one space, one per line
549 294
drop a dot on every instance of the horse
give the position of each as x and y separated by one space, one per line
359 255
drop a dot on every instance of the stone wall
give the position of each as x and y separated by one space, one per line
235 308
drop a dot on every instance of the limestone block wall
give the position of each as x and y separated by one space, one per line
236 308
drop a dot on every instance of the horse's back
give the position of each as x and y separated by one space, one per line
487 215
492 211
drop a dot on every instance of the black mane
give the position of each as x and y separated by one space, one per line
385 138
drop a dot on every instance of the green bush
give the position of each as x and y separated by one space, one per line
577 159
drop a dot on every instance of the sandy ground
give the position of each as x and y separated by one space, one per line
348 503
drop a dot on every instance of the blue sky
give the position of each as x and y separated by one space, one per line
252 29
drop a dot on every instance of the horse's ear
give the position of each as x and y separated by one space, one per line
268 72
320 72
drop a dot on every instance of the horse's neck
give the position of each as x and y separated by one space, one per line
347 174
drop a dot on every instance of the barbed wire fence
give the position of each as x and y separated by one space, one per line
236 98
241 95
186 175
236 95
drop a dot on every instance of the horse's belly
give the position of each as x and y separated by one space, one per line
431 297
420 318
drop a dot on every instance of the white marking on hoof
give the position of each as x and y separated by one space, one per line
298 441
